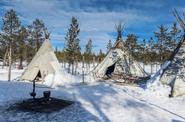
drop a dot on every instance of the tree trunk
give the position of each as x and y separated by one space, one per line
73 68
69 65
62 64
5 58
89 66
76 66
73 61
83 81
10 62
93 61
156 67
20 63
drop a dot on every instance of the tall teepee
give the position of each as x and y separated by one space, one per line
43 63
174 73
119 61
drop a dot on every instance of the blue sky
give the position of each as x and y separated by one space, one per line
97 18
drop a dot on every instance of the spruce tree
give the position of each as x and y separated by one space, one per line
162 39
109 46
72 48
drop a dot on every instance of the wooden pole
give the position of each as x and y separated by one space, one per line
34 89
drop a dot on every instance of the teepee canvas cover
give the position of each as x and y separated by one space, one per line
43 63
124 63
174 74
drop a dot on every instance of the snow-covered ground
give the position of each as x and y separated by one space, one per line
95 102
14 74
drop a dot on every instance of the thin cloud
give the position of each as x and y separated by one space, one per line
97 18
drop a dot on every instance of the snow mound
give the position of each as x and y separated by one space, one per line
159 90
154 85
61 79
52 80
179 87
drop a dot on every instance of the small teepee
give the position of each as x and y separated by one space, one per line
174 73
119 62
43 63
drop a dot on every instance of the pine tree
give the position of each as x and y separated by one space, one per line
150 51
10 28
88 52
30 49
37 33
3 47
22 38
109 46
162 38
131 44
175 36
143 53
72 48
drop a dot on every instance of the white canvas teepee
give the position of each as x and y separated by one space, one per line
172 71
43 63
123 61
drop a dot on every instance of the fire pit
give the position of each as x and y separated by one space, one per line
43 104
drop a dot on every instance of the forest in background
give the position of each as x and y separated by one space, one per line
19 43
